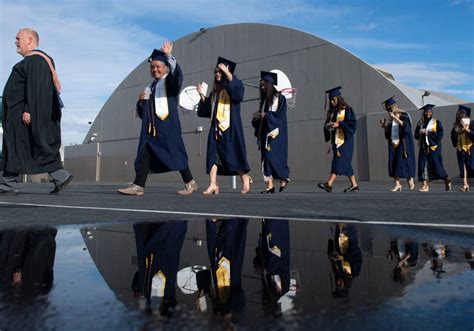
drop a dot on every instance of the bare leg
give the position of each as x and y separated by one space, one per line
331 179
397 186
465 184
246 182
424 187
411 183
213 188
353 181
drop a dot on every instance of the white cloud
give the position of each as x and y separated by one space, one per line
92 55
366 26
441 77
372 43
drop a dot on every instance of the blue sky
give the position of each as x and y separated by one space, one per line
426 44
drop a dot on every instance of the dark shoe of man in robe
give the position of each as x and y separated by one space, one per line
59 187
132 189
189 188
325 186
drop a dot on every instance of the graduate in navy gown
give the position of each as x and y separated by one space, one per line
405 253
226 239
345 257
401 151
161 147
339 129
462 137
429 133
272 260
226 153
158 249
271 130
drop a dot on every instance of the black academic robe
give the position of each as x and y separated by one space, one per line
231 144
166 145
158 249
273 256
31 252
352 255
274 151
465 159
34 148
401 159
342 156
430 153
226 239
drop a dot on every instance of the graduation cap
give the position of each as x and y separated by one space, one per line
228 63
390 101
464 109
427 107
158 55
334 92
269 77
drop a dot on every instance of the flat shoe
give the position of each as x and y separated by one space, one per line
268 190
325 186
60 187
352 189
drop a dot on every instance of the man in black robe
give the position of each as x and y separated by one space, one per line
31 118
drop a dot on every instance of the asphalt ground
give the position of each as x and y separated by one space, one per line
86 203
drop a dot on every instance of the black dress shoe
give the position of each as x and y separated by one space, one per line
352 189
325 186
60 187
283 187
268 190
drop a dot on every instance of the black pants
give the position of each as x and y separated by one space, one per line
142 173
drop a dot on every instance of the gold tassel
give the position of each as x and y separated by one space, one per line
154 132
149 127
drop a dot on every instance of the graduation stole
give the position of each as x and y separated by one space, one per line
223 279
274 133
464 143
431 127
343 242
54 74
339 132
161 100
223 110
395 134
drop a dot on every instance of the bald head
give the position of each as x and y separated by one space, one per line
26 40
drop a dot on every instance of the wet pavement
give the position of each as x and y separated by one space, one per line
186 272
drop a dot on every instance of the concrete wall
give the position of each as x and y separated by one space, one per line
313 66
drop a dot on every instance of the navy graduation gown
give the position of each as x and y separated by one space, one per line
158 249
167 147
227 239
231 144
427 155
274 151
401 159
465 158
342 156
33 148
274 240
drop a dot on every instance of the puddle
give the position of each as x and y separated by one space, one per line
243 273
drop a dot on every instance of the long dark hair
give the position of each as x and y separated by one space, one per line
269 95
218 85
459 116
341 104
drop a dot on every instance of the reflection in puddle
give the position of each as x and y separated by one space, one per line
234 272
